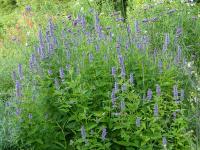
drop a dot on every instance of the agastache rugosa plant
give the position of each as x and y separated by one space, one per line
18 89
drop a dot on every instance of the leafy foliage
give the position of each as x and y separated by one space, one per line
97 82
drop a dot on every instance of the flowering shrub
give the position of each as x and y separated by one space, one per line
93 84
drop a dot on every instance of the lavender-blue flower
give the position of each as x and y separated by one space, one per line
90 57
175 92
113 71
18 89
158 90
68 67
137 29
164 141
121 61
103 135
50 72
149 94
61 71
18 111
178 32
156 110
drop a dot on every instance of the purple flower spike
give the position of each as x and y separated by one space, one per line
20 71
178 32
171 11
31 65
121 61
118 46
18 89
119 19
137 29
32 61
156 110
83 22
18 111
68 67
90 57
166 43
175 92
62 75
103 135
164 141
97 48
47 37
113 71
33 58
97 19
138 122
40 36
158 90
50 72
149 94
129 29
51 27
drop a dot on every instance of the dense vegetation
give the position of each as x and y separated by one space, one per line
99 75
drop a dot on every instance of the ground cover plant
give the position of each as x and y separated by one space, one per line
96 81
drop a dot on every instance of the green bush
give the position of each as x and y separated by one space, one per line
75 110
68 99
7 6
